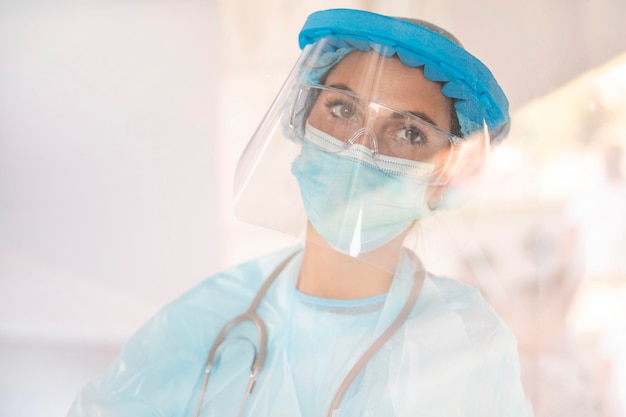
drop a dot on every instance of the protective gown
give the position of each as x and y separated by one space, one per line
452 357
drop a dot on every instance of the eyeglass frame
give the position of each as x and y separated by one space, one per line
453 139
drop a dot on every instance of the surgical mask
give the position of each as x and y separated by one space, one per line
355 201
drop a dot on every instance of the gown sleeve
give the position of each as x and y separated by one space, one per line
157 370
488 360
501 390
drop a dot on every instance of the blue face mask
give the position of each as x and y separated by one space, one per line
354 202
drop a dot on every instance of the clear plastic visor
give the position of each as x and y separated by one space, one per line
356 150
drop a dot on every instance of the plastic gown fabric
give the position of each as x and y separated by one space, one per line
452 357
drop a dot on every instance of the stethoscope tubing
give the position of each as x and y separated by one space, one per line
250 315
380 341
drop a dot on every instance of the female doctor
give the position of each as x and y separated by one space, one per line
377 118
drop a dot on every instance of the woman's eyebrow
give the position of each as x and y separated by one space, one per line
341 86
418 114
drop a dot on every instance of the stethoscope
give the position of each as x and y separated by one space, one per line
250 315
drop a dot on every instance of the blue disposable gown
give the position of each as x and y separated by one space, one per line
452 357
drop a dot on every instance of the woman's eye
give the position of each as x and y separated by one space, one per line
342 110
412 135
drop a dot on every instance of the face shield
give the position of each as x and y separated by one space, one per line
377 118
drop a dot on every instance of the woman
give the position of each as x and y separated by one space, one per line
378 116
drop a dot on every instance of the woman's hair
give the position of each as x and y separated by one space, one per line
455 125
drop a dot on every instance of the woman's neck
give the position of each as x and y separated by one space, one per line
328 273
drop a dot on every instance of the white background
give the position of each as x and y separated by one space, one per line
120 126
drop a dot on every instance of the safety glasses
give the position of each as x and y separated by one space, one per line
385 130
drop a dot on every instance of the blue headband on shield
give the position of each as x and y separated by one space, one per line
478 97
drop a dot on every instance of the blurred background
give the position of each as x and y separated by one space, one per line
120 128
